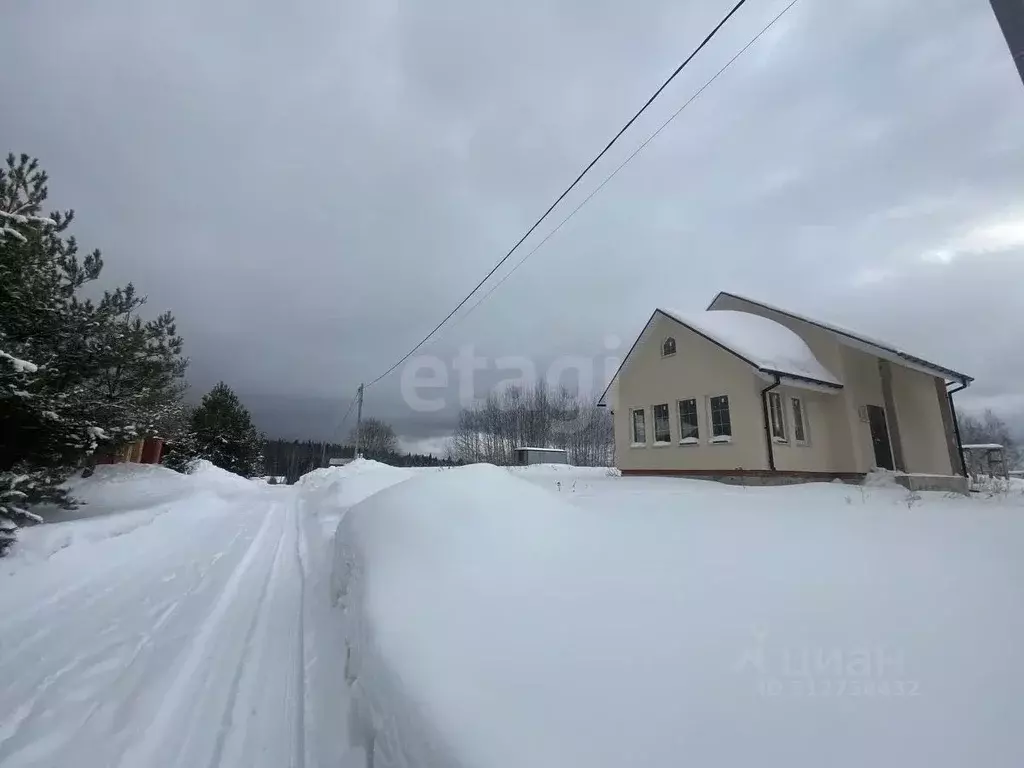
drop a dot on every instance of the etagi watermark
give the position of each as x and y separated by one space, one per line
868 671
427 379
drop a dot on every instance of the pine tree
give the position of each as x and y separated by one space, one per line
222 433
136 379
74 374
41 336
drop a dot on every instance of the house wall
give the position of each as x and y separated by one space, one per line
862 386
699 369
919 412
850 445
827 445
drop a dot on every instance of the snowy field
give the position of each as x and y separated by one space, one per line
484 617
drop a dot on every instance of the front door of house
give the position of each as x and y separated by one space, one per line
880 437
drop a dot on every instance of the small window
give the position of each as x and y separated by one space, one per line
661 424
721 424
799 428
639 428
777 416
668 347
688 429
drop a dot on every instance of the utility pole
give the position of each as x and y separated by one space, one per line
1010 14
359 419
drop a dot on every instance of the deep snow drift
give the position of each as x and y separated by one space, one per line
611 621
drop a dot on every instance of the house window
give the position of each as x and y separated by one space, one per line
688 429
777 416
661 424
668 347
639 428
799 428
721 424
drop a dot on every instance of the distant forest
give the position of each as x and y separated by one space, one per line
292 459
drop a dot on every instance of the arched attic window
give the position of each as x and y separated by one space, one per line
668 347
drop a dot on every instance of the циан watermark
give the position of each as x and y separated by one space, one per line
808 671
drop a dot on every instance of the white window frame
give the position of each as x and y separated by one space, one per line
712 437
803 420
692 439
780 434
654 425
675 346
632 428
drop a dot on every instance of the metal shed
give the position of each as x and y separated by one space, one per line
530 455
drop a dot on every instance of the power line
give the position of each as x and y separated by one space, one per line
341 424
626 162
568 189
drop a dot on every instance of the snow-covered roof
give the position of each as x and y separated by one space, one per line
532 448
983 447
768 346
876 347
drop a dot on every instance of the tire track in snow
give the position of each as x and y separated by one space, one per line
147 750
58 682
243 661
300 655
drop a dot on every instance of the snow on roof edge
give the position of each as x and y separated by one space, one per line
838 329
765 344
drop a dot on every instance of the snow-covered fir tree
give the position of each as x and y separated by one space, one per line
221 432
75 375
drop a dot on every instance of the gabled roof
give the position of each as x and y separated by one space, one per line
878 348
766 346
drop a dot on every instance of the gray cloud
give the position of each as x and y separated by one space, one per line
311 188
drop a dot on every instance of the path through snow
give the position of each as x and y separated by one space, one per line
180 640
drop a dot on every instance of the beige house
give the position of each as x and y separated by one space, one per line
752 393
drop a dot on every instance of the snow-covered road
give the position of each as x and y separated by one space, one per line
176 639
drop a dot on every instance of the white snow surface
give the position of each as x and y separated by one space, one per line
767 344
495 621
335 488
185 623
532 616
20 366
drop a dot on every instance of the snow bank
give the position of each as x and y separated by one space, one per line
494 624
562 469
119 487
340 487
767 344
127 496
209 476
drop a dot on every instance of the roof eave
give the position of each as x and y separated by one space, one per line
796 377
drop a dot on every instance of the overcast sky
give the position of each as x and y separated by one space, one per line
311 186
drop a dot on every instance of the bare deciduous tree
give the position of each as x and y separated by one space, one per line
540 417
375 437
